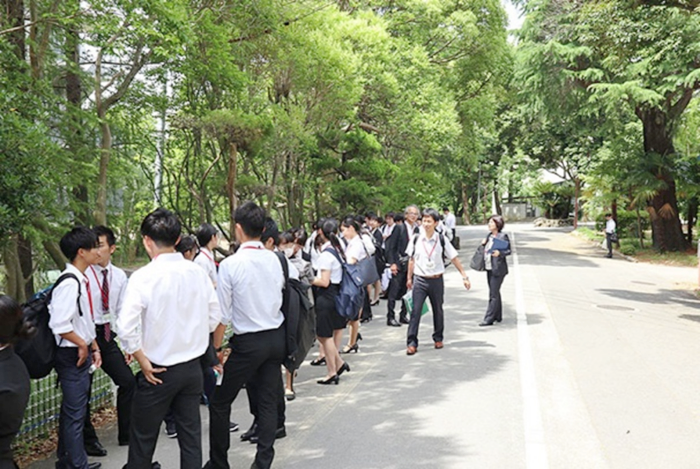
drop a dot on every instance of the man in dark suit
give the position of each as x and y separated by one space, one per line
398 263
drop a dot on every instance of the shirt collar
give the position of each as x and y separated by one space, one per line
74 270
325 245
252 244
169 257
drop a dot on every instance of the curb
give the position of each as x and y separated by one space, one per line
594 243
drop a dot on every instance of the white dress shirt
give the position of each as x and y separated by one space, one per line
450 221
170 307
117 280
63 309
205 259
610 226
328 261
310 249
427 254
355 250
250 289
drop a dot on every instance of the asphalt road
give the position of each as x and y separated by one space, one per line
594 366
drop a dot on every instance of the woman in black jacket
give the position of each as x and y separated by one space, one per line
14 379
496 248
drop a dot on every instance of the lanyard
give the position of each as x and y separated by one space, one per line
252 247
99 284
216 263
430 254
89 294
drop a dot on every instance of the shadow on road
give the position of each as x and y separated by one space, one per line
662 297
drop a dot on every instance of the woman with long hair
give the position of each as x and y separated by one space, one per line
329 324
496 248
355 251
14 378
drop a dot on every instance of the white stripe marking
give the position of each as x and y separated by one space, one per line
535 445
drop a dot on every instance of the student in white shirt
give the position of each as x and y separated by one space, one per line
107 288
329 324
610 227
355 251
208 239
250 292
425 271
450 222
71 320
170 307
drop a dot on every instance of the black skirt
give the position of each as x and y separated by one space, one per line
327 317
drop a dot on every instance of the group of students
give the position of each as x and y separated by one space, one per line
173 315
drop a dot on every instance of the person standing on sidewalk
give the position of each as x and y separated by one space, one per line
425 277
107 288
398 263
496 268
170 307
72 323
250 291
610 228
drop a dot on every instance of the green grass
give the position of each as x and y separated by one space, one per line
632 247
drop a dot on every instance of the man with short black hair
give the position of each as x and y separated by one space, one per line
250 292
450 222
208 239
107 288
170 307
71 320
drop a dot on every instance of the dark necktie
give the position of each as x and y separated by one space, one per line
105 302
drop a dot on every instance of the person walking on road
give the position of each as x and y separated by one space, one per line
425 270
496 248
610 228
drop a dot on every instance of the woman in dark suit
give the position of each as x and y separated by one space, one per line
496 268
14 379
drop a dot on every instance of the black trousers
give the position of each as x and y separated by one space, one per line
255 357
252 388
397 289
494 311
181 389
114 364
427 288
608 241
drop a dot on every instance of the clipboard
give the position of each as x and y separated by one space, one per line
499 245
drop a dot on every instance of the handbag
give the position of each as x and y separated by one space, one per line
614 238
408 301
477 263
367 269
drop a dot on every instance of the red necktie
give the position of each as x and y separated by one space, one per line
105 302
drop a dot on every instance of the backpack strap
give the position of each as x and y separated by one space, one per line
58 282
285 267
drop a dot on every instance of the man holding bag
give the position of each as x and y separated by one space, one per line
425 276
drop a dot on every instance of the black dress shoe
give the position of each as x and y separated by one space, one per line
404 320
252 431
392 322
95 449
332 380
281 432
483 324
343 368
94 465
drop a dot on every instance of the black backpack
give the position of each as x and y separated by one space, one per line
299 318
39 351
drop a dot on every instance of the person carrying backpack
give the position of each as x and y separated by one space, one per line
71 320
425 277
329 323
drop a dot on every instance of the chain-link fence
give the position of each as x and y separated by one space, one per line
44 405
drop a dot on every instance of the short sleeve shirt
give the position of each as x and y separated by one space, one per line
427 254
328 261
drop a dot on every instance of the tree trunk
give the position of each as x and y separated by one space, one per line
666 230
105 155
13 271
692 217
465 205
231 185
13 10
577 190
24 255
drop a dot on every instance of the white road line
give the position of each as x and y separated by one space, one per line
535 446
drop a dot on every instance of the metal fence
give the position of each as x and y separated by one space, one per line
44 405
